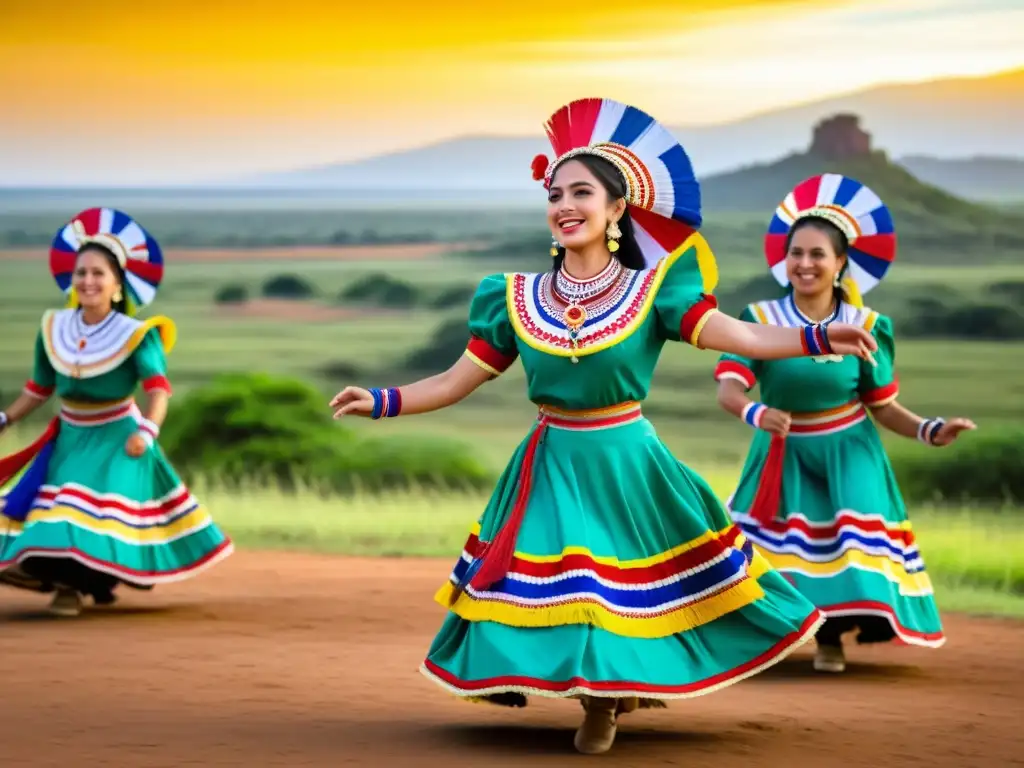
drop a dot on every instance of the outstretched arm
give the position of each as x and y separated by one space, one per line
25 404
37 389
906 423
423 396
770 342
732 397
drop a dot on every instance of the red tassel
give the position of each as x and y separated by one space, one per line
13 464
539 166
497 558
769 490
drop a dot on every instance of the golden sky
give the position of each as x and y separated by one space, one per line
118 91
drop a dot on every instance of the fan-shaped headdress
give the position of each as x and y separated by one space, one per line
662 192
856 211
136 251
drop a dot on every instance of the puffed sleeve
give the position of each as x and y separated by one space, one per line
879 384
151 363
685 300
743 369
44 377
492 341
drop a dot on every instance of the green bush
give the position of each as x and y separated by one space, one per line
233 293
930 318
287 287
381 290
458 296
245 427
445 348
981 467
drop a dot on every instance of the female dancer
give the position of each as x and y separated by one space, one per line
817 495
602 568
99 504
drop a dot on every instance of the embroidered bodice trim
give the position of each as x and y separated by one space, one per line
616 302
784 313
82 351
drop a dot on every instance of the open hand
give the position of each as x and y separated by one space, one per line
352 400
775 421
136 445
949 431
852 340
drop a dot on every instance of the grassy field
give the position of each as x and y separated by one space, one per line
982 380
970 574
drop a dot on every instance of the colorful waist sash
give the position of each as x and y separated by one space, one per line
806 424
493 561
17 502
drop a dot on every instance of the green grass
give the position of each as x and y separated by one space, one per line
980 380
975 556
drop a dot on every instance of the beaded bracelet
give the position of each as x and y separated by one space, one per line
928 429
752 413
149 431
814 340
387 403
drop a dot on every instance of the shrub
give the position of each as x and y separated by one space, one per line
287 287
457 296
982 467
381 290
243 427
931 318
1010 290
446 347
234 293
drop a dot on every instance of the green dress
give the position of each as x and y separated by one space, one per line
841 533
628 578
84 514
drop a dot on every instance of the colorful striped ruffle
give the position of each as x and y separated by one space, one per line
852 540
581 686
671 592
153 542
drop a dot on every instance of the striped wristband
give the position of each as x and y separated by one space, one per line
752 414
814 340
149 431
928 429
387 403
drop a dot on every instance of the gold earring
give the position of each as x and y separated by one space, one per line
554 248
614 233
118 296
837 281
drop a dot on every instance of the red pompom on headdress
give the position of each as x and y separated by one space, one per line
539 166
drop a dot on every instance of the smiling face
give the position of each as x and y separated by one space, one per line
812 261
95 280
579 207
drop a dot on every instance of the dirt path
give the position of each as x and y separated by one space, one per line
294 660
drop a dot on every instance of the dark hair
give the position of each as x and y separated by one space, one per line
115 267
629 253
840 244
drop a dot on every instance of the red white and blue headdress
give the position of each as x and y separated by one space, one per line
663 194
855 210
135 249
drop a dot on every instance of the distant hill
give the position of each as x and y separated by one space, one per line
929 221
991 179
947 119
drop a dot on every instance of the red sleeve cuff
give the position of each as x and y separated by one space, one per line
695 319
876 398
154 383
37 390
730 369
487 357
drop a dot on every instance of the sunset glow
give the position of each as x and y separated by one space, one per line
200 90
